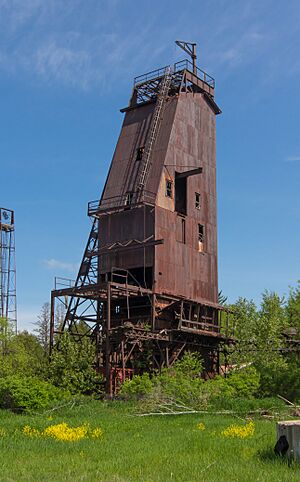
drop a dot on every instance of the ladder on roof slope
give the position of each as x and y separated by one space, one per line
154 128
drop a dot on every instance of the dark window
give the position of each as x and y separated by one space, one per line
200 237
169 188
197 200
183 230
128 199
140 152
180 229
180 194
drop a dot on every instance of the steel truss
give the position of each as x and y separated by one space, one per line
136 329
8 304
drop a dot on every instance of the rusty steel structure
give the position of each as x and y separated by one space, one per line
147 287
8 304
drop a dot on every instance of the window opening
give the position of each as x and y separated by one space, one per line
169 188
180 194
200 237
183 230
197 200
140 152
128 198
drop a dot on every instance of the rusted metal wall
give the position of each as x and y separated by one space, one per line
132 136
186 141
122 227
179 267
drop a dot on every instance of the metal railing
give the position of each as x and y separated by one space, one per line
60 283
201 74
178 67
126 201
153 75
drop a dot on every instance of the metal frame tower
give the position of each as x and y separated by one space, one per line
147 287
8 297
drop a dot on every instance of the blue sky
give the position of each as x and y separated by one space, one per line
66 68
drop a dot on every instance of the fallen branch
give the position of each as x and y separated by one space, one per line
287 401
150 414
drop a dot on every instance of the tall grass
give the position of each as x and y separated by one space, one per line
140 448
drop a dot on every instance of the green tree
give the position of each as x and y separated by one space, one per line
71 365
23 356
293 308
43 326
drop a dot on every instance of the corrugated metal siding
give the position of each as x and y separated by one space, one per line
185 271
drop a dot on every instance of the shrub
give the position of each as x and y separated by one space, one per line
180 384
27 394
139 387
244 383
71 366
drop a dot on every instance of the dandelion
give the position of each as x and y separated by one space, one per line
239 431
200 426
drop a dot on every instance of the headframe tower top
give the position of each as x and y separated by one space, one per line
189 48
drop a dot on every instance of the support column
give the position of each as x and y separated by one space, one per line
52 322
153 312
108 373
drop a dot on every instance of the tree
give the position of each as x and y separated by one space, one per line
23 356
71 366
43 326
293 308
6 333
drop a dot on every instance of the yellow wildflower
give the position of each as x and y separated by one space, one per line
30 431
239 431
200 426
96 433
63 432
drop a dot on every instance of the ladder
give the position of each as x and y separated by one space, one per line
154 128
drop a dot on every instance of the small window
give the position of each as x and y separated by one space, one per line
197 200
169 188
180 229
128 198
139 154
183 230
180 193
200 237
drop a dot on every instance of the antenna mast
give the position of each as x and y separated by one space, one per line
189 48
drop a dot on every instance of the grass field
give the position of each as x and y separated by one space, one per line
168 448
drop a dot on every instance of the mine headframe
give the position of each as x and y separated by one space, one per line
120 298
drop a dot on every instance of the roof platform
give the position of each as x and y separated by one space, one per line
185 77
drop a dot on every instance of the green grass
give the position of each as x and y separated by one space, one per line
168 448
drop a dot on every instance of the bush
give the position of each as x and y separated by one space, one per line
137 388
244 382
71 366
182 384
27 394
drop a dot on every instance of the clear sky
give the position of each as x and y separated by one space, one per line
66 68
